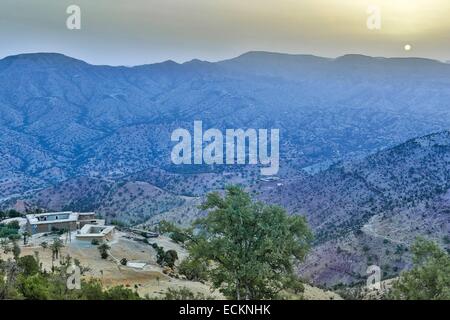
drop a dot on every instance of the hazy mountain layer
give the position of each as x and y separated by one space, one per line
83 137
61 118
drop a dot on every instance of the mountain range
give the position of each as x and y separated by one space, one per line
62 118
364 150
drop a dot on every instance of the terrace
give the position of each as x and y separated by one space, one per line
91 232
54 217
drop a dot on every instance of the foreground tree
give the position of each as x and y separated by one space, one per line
184 294
24 279
430 277
250 248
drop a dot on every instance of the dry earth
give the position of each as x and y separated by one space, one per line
149 281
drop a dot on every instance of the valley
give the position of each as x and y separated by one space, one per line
364 151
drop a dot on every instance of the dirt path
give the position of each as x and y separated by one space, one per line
369 230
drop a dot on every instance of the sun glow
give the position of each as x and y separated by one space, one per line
412 17
156 30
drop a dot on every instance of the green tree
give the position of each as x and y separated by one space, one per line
35 287
165 258
103 249
16 250
14 225
8 274
121 293
56 247
29 265
178 237
250 247
194 269
24 279
14 213
25 235
10 230
170 257
91 290
4 244
183 294
160 254
429 279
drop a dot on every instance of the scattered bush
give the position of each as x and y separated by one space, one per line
103 249
430 277
163 258
10 230
193 270
183 294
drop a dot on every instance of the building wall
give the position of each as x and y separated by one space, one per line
83 222
49 227
109 236
86 217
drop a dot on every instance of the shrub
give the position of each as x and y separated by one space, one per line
193 270
430 277
29 265
170 257
10 230
183 294
163 258
178 237
103 249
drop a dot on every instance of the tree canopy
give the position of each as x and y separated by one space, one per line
250 248
429 279
24 279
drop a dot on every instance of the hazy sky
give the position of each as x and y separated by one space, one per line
131 32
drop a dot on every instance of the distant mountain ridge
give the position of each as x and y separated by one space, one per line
404 175
363 211
62 118
75 136
368 211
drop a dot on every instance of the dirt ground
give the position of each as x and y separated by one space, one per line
314 293
149 281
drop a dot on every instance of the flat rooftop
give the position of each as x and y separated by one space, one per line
86 213
56 217
91 230
52 217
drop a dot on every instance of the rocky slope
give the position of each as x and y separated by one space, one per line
370 211
83 137
363 212
62 118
